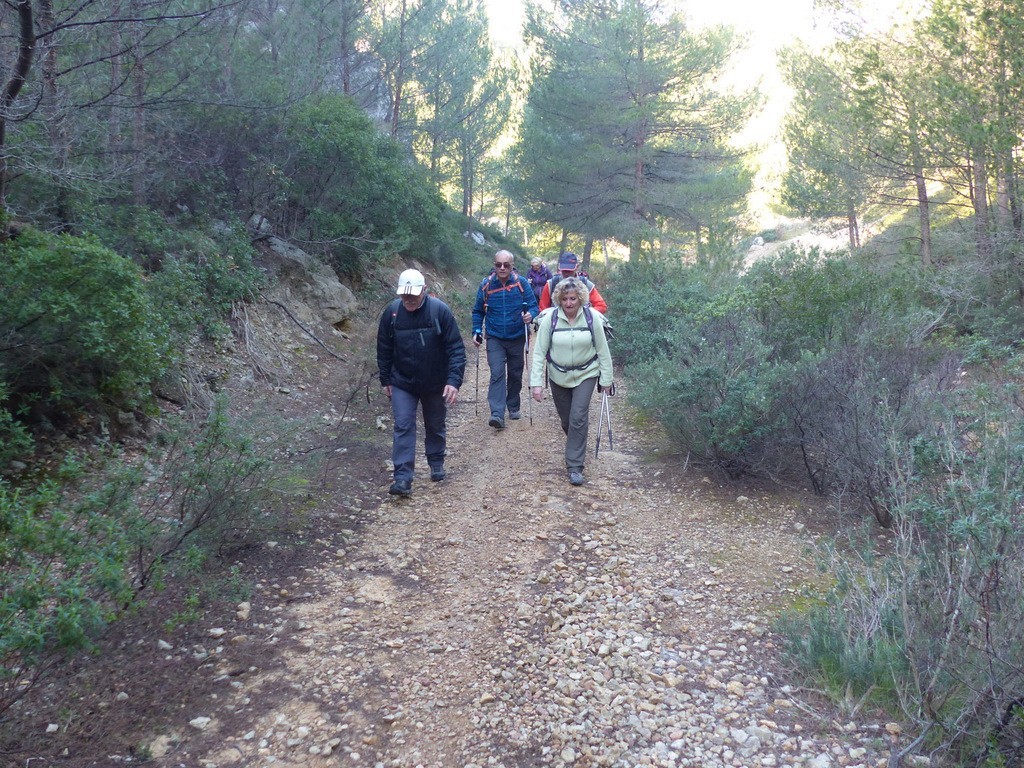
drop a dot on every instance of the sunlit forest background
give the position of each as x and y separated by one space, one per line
144 142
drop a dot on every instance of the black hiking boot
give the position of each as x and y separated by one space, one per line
401 488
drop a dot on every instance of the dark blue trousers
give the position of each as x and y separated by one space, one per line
403 449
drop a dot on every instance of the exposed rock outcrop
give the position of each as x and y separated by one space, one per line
307 286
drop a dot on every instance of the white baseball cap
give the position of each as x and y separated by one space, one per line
411 283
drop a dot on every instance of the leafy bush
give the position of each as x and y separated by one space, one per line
700 362
856 654
852 412
658 300
219 489
992 295
15 440
808 301
346 189
199 269
80 547
714 392
806 364
64 570
76 328
936 620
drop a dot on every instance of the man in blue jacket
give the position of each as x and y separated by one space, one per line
421 360
505 305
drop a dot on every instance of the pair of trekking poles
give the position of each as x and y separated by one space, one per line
606 410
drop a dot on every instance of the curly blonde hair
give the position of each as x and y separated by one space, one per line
570 284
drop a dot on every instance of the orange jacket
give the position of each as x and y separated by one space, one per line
596 300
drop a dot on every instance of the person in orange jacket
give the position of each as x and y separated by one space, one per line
568 263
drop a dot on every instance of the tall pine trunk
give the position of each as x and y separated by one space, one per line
921 186
139 143
852 227
588 248
982 233
56 122
399 74
26 47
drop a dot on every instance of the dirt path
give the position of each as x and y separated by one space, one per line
505 618
499 618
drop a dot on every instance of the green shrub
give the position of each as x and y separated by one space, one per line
15 440
77 550
992 295
64 572
936 617
223 487
699 361
655 303
76 328
198 269
715 393
805 365
352 193
850 640
852 413
808 301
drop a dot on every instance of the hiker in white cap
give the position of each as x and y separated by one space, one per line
421 360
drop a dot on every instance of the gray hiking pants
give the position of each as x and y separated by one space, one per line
573 406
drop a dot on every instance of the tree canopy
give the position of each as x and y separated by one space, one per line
625 132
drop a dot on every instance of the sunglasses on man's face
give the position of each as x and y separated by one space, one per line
502 265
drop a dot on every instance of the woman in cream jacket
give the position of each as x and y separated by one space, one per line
572 348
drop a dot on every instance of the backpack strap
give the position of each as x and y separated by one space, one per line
487 290
590 327
587 315
393 307
433 309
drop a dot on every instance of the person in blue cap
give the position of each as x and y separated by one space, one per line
568 266
505 305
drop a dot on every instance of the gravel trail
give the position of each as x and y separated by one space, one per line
505 618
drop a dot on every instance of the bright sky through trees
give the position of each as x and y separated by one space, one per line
767 25
777 20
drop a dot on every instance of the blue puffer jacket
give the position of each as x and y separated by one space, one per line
501 306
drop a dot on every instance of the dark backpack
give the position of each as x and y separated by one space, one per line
486 281
433 308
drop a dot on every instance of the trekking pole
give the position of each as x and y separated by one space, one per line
526 359
608 413
605 410
476 397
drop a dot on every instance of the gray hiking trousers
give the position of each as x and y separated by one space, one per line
573 406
